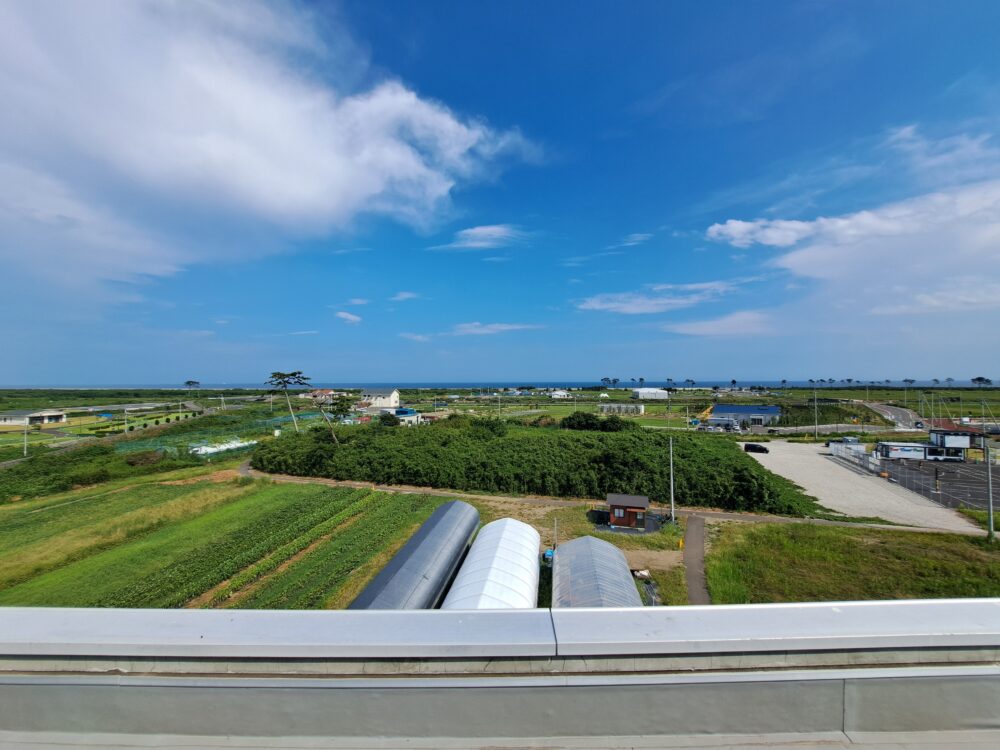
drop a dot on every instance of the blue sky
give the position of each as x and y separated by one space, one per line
469 191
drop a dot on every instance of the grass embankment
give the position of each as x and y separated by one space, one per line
492 456
981 517
47 474
796 563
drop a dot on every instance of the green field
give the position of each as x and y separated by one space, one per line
198 542
751 563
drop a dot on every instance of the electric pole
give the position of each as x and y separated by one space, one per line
815 415
990 530
673 518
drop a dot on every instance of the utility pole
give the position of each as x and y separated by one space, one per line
673 518
126 420
815 415
26 435
990 530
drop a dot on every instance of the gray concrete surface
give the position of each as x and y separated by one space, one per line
694 561
856 493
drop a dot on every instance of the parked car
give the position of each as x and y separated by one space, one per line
919 425
755 448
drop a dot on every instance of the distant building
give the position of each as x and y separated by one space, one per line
628 511
380 398
651 394
623 408
944 445
32 417
734 415
560 394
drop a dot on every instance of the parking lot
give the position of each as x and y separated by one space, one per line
855 492
956 485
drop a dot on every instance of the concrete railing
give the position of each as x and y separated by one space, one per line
531 677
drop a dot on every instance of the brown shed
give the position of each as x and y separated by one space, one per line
628 510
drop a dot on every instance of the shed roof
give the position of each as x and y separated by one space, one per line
628 501
589 572
745 409
379 391
30 412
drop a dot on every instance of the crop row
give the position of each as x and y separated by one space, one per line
211 564
284 553
311 581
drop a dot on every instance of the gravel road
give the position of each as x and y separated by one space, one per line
854 493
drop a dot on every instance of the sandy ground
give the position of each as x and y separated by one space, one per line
854 493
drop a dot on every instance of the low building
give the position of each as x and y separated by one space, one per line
589 572
627 511
634 409
380 398
944 445
736 415
31 417
559 394
651 394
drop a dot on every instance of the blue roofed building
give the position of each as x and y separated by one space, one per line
734 416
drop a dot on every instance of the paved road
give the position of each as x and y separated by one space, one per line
857 493
904 418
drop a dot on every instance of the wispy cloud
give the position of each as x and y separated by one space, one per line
632 240
356 301
743 323
404 296
421 337
496 259
303 333
489 329
348 317
661 297
485 237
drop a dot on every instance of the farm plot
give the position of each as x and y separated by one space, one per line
170 545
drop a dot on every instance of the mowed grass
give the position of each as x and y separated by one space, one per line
756 563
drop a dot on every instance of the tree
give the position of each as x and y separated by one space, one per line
690 383
732 383
642 382
388 420
935 381
784 384
949 381
279 382
980 382
614 382
189 384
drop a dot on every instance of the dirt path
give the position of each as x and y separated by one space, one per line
694 561
856 493
708 514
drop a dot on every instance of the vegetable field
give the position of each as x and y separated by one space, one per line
199 541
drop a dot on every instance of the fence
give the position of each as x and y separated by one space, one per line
952 484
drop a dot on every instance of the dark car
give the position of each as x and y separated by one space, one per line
755 448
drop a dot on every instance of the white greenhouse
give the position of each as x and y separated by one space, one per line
500 571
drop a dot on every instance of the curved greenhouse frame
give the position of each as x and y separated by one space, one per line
417 576
500 571
589 572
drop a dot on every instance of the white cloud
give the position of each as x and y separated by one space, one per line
207 112
348 317
356 301
303 333
421 337
632 239
666 297
743 323
496 259
774 232
488 329
403 296
484 237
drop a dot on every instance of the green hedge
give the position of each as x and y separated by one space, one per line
524 460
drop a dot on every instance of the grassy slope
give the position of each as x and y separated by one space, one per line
772 563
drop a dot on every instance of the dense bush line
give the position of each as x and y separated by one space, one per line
520 460
45 474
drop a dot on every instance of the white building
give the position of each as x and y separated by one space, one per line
633 409
31 417
380 398
651 394
560 394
